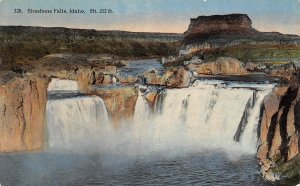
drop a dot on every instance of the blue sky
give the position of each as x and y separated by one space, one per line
153 15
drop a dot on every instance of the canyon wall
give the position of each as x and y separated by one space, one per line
279 134
23 101
22 110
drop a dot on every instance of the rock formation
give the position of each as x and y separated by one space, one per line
224 66
180 78
22 108
210 25
279 133
233 36
119 101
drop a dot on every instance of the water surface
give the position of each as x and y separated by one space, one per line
209 168
138 67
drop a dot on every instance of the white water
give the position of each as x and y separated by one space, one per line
204 116
73 122
63 85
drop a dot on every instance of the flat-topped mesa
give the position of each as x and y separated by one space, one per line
232 35
216 24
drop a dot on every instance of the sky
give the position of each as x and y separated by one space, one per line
151 15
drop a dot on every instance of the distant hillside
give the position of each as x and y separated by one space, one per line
19 43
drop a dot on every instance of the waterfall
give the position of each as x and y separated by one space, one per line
73 121
208 115
142 110
63 85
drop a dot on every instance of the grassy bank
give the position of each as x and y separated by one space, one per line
258 53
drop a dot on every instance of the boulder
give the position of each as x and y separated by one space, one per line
181 78
152 77
222 66
255 67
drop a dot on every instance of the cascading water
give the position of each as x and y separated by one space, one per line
164 145
63 85
73 120
209 115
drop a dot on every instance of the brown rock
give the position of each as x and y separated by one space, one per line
293 148
286 71
262 153
283 144
276 142
224 66
22 106
271 105
119 101
152 78
231 23
180 79
85 79
151 98
129 79
106 79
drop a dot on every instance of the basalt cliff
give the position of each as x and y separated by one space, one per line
205 26
232 35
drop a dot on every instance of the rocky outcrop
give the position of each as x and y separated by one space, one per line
180 78
233 36
128 79
175 78
154 78
120 101
208 25
232 29
279 133
223 65
287 71
22 110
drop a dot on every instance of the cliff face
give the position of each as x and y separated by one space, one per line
209 25
280 133
22 110
119 102
233 36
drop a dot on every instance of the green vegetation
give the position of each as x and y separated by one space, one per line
19 43
289 171
259 53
